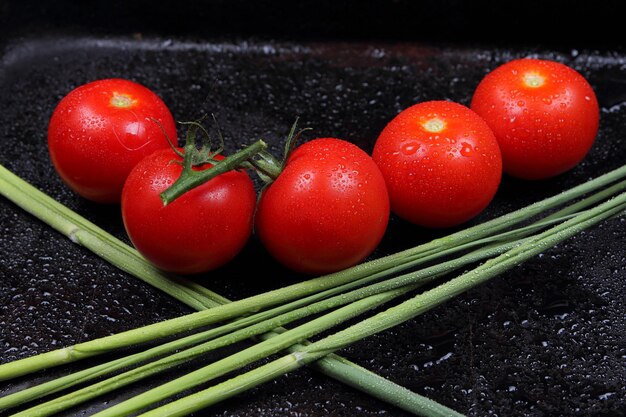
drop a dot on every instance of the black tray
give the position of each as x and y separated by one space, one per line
545 339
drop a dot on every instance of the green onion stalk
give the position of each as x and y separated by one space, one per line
87 234
280 342
120 254
382 321
233 332
81 231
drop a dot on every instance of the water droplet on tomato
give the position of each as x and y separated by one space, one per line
466 149
410 148
521 103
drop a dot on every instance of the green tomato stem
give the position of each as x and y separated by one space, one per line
267 168
191 179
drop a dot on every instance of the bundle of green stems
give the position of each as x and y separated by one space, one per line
483 252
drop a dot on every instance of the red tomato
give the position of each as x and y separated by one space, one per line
100 130
441 163
199 231
544 114
326 211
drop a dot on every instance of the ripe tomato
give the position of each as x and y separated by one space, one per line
100 130
201 230
441 163
326 211
544 114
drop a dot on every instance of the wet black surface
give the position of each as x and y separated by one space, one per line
546 339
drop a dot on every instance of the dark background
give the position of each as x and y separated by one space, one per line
554 23
546 339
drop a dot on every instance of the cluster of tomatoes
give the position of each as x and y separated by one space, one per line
436 164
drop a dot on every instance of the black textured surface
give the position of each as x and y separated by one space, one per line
546 339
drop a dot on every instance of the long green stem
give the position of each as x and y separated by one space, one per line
259 326
394 315
147 333
116 252
402 397
250 326
216 314
209 372
89 235
251 354
191 179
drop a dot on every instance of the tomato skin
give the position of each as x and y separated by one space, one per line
200 231
441 163
544 114
326 211
101 130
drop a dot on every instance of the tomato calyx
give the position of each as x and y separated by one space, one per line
434 125
122 101
194 156
533 80
292 140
